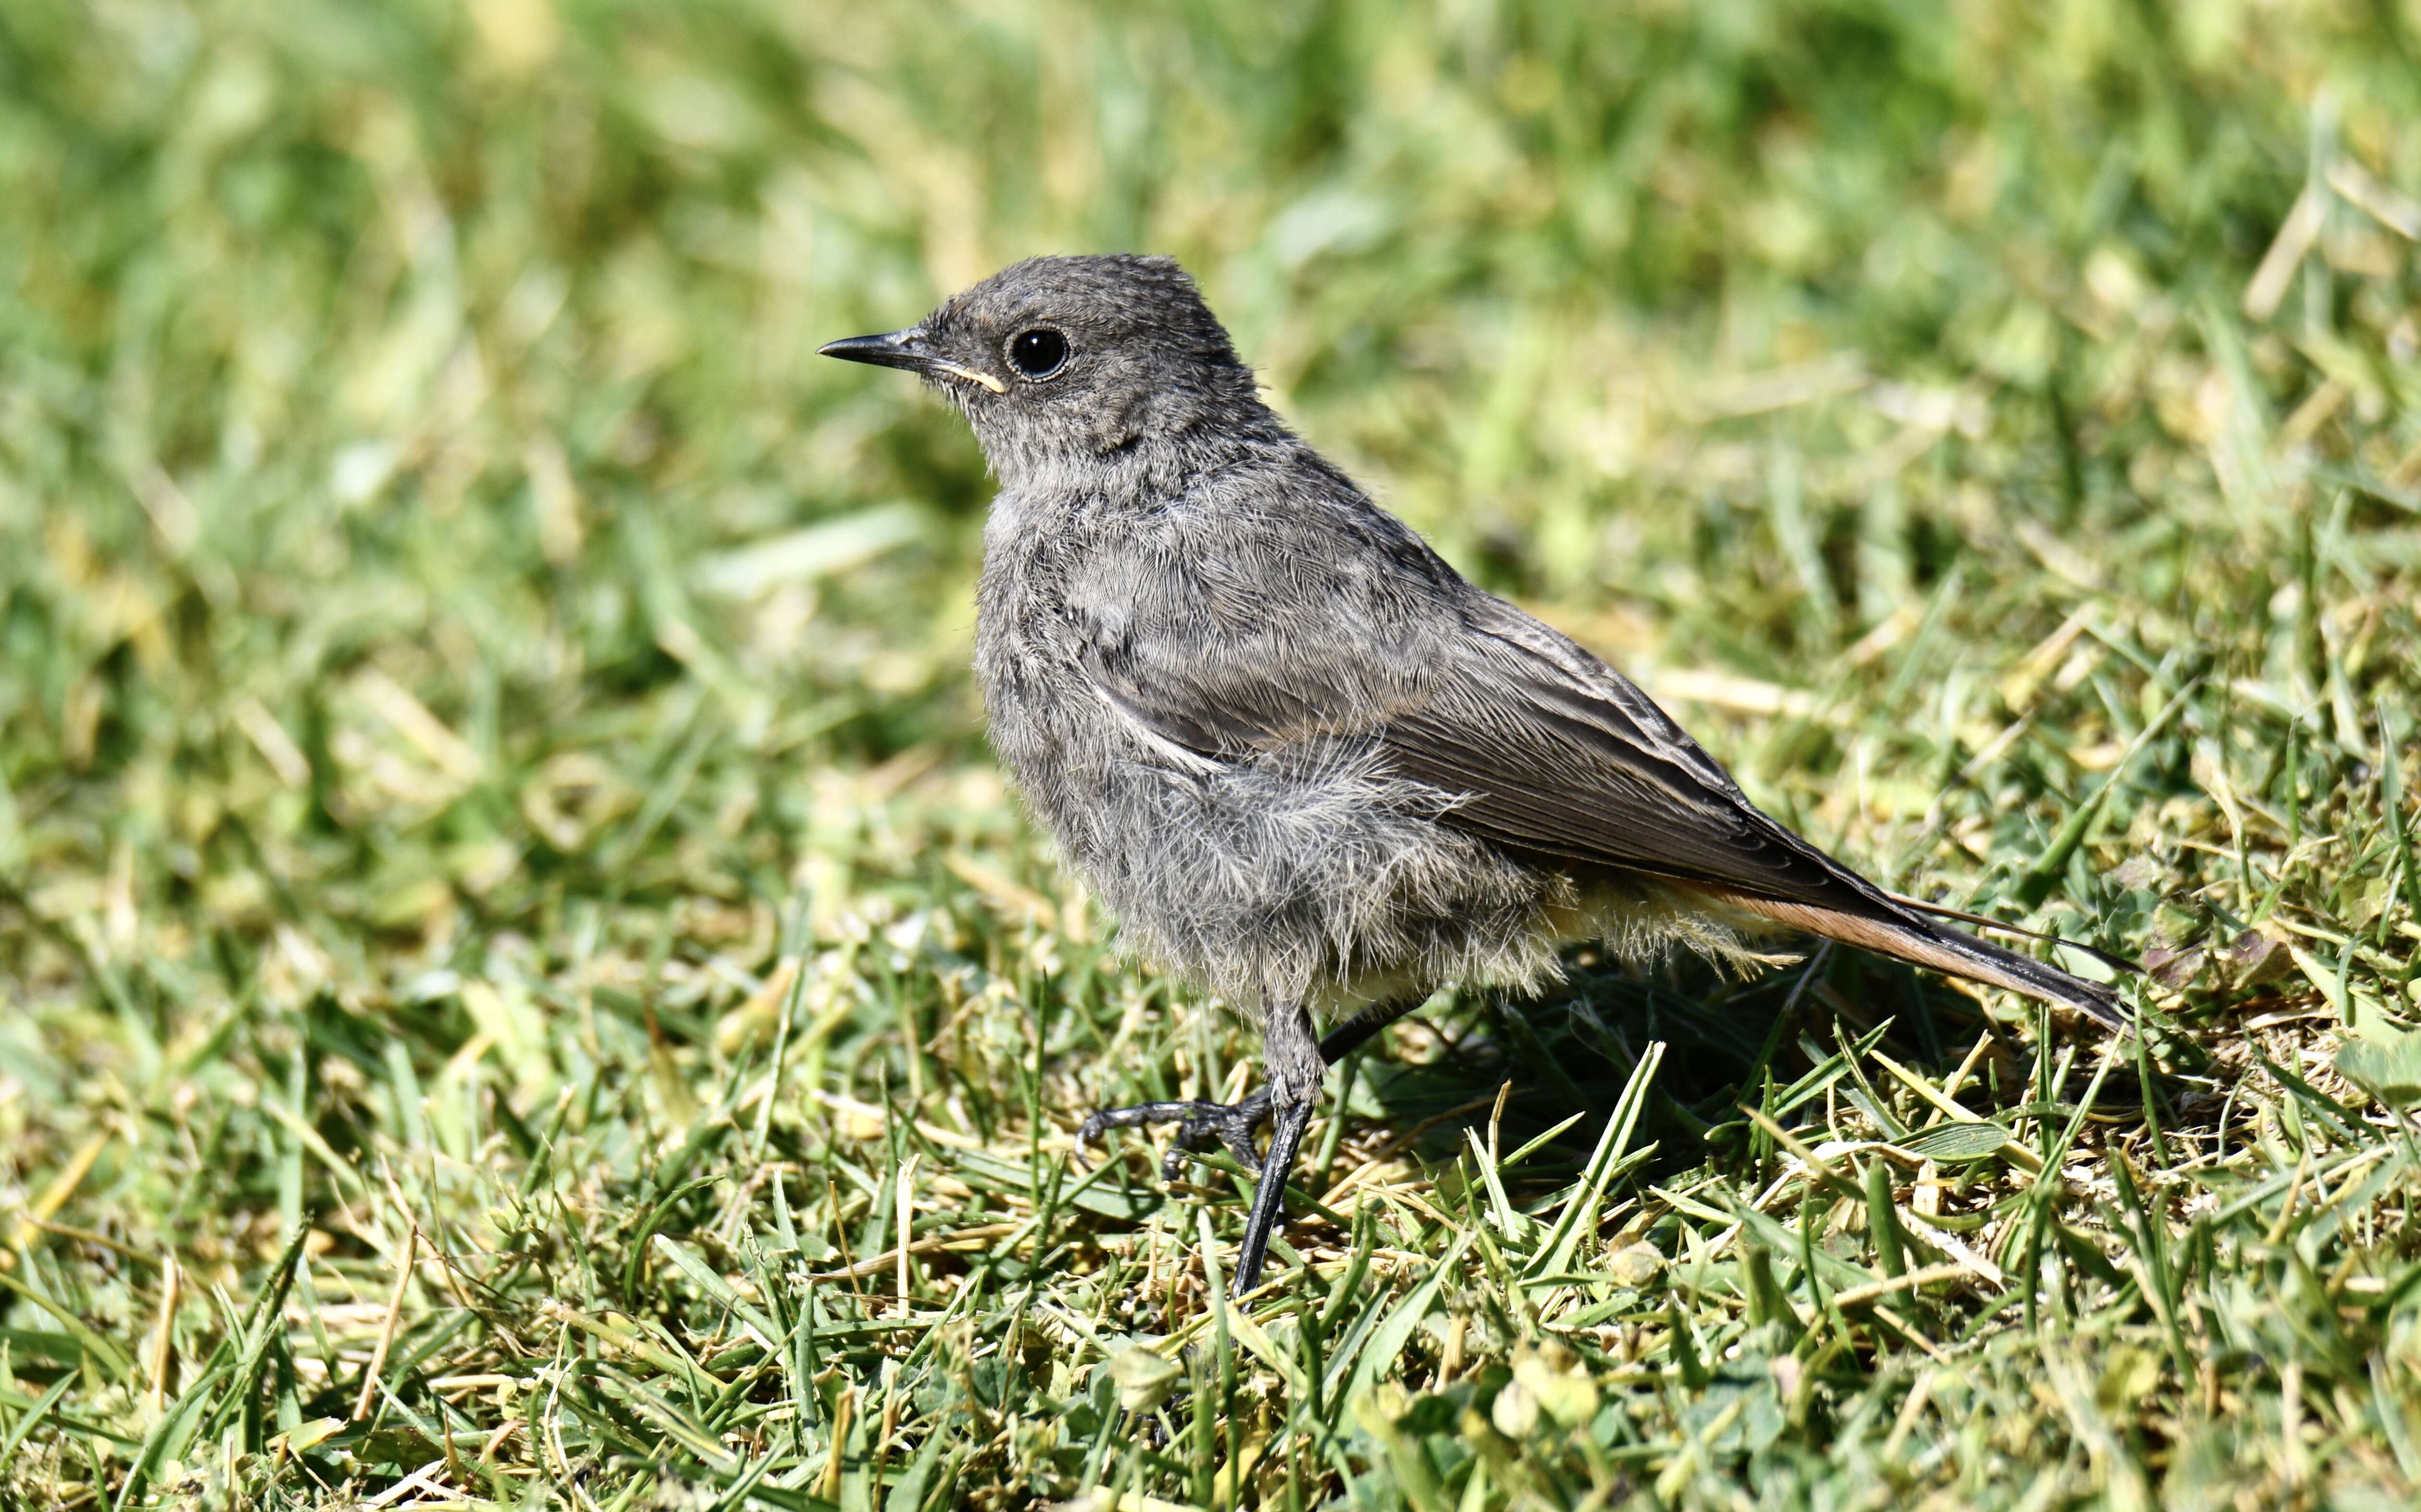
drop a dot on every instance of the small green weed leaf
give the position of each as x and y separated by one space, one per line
1145 1376
308 1434
2391 1068
1957 1143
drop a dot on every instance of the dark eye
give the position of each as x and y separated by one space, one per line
1038 353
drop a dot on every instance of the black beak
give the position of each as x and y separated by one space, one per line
911 349
896 349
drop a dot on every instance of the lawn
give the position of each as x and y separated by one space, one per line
520 985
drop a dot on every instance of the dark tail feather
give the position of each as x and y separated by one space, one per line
2115 962
1945 949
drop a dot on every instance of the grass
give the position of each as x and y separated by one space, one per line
506 924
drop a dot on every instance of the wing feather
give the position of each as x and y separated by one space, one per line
1546 750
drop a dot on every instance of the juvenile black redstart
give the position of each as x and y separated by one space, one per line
1308 766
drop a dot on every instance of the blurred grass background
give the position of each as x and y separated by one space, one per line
488 770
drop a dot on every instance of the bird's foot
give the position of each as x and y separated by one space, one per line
1232 1124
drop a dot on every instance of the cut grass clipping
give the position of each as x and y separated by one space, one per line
520 986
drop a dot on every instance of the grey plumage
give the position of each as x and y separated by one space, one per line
1309 766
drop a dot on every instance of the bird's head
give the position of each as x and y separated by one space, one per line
1059 361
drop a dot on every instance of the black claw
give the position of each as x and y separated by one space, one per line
1232 1124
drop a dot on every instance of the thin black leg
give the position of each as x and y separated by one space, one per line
1355 1032
1291 1055
1233 1123
1269 1200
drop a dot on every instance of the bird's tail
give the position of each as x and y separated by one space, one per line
1924 942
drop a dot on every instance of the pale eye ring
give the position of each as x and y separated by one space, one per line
1038 353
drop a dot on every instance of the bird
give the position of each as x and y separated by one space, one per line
1306 765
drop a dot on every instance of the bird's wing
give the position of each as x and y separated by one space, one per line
1557 754
1543 748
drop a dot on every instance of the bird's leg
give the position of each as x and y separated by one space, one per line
1233 1123
1355 1032
1197 1121
1295 1065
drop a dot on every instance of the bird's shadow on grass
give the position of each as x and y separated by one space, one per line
1728 1044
